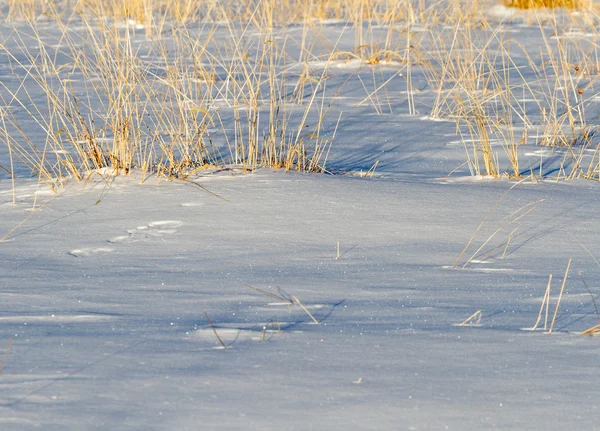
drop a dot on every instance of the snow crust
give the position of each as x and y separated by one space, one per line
107 288
115 337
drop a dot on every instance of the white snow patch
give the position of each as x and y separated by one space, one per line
55 318
154 229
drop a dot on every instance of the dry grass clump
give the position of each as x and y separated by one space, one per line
179 105
537 4
472 85
499 101
147 12
188 98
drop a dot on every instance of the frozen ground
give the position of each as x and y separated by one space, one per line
105 305
104 290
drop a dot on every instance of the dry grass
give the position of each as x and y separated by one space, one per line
473 320
562 289
544 306
258 12
537 4
171 116
215 331
480 85
204 101
511 218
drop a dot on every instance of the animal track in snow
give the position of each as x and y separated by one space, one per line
232 334
191 204
155 229
84 252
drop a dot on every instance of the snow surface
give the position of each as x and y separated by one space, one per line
104 289
111 334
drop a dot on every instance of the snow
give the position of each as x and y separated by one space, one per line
115 337
106 286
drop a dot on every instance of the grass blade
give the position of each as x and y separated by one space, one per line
560 295
214 330
305 310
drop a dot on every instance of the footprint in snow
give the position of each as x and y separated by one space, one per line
191 204
84 252
155 229
233 334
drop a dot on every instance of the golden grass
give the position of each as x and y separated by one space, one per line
562 289
511 218
473 319
297 301
479 85
594 330
544 306
537 4
261 12
162 117
208 101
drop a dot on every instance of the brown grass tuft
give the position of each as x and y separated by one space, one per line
537 4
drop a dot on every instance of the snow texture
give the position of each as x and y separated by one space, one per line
105 289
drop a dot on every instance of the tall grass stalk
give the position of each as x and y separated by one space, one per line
186 98
108 107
